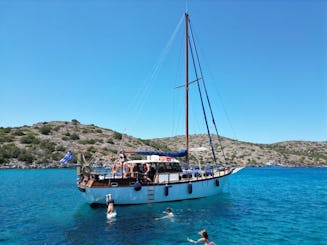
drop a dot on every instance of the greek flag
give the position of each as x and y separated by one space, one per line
67 158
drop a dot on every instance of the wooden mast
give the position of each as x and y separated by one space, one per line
186 85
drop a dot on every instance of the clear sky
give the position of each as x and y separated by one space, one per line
115 64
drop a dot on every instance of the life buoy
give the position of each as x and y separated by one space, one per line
90 183
128 170
166 190
189 188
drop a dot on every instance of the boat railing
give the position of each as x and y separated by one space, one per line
164 177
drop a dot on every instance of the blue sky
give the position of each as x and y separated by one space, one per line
112 64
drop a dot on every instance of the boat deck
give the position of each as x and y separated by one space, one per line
107 179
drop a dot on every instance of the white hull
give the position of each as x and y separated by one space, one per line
157 193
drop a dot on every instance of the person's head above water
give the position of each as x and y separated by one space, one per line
204 234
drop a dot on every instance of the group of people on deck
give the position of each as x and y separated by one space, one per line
128 170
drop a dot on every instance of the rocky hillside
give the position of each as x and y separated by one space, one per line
47 142
289 153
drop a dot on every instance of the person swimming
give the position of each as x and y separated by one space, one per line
169 214
110 210
204 238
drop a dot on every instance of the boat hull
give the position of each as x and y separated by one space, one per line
156 193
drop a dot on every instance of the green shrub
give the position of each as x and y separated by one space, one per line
91 141
57 128
75 122
117 136
92 149
87 142
8 151
47 145
74 137
46 129
56 156
25 156
5 130
3 160
29 139
113 151
6 138
65 138
60 148
18 132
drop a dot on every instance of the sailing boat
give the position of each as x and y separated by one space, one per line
159 178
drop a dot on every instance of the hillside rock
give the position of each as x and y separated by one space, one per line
47 142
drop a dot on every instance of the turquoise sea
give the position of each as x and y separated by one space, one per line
259 206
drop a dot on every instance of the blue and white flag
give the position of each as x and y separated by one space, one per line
67 158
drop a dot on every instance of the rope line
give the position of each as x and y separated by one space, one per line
206 92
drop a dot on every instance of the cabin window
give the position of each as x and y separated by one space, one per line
176 167
168 167
161 167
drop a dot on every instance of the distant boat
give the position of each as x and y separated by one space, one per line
273 164
159 178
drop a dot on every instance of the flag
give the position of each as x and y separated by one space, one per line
67 158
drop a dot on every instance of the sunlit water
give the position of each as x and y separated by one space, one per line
258 206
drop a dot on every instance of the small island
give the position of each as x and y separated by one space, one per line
42 145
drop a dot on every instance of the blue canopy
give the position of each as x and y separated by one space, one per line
180 153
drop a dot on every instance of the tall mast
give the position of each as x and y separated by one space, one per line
186 84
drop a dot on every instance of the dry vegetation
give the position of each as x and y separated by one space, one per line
48 141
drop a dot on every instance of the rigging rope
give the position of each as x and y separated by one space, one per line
144 91
206 92
202 104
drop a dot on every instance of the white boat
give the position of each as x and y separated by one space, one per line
159 178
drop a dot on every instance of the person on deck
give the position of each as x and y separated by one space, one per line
147 168
122 157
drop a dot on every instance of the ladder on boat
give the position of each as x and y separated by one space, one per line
150 193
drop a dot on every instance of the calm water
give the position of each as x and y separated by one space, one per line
259 206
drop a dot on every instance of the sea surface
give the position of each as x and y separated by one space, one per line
258 206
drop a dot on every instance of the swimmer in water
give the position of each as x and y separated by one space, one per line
169 214
110 202
203 239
